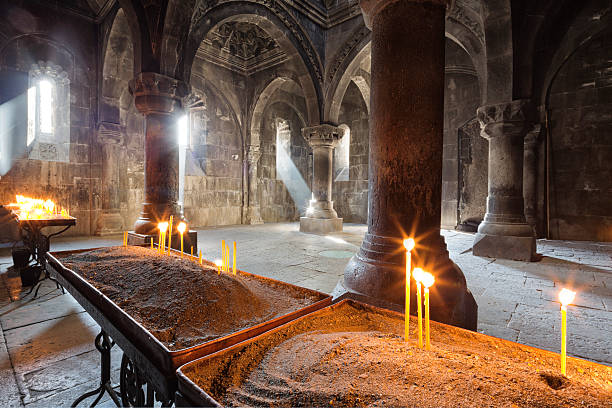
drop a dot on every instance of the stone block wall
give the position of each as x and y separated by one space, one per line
31 33
351 197
213 165
581 144
275 198
461 99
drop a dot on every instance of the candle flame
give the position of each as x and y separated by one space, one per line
163 226
427 279
417 274
409 244
181 227
566 296
218 262
37 209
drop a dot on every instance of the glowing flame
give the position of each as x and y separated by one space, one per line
37 209
181 227
218 262
566 296
427 279
409 244
417 274
163 226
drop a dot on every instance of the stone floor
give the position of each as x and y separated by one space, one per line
47 356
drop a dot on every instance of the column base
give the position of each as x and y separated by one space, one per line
189 238
505 247
320 225
109 223
378 271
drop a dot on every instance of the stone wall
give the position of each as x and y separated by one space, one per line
213 164
461 99
32 33
351 197
120 136
581 144
277 202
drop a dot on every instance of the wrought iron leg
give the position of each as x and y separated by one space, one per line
135 391
104 346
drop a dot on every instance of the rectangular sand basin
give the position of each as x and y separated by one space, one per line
351 354
160 280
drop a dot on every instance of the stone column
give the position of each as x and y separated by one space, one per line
158 98
320 216
253 210
405 163
505 233
530 175
110 139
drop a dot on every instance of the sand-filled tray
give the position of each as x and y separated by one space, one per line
351 354
164 311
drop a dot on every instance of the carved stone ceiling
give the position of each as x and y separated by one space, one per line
241 46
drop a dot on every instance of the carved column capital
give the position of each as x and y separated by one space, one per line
508 118
323 135
371 8
533 136
157 93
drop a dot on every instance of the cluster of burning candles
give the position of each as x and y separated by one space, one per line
426 280
28 208
223 264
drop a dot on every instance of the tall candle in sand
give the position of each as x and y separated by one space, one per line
417 274
181 229
428 281
234 257
566 297
409 245
170 235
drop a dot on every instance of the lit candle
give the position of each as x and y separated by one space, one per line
234 257
417 274
159 236
125 235
163 226
192 251
227 259
223 254
181 229
219 263
566 297
409 245
170 234
151 243
428 280
200 257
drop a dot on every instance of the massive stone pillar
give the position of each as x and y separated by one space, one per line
320 215
405 162
158 98
505 233
530 175
253 215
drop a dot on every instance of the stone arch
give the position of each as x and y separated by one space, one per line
260 106
337 95
281 26
141 39
499 50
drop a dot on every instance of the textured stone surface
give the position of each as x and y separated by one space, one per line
320 225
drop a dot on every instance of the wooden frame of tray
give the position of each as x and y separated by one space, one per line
158 363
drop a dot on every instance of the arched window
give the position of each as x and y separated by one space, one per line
342 156
48 133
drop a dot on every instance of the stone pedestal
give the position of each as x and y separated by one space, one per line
158 97
253 212
405 163
321 218
505 233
